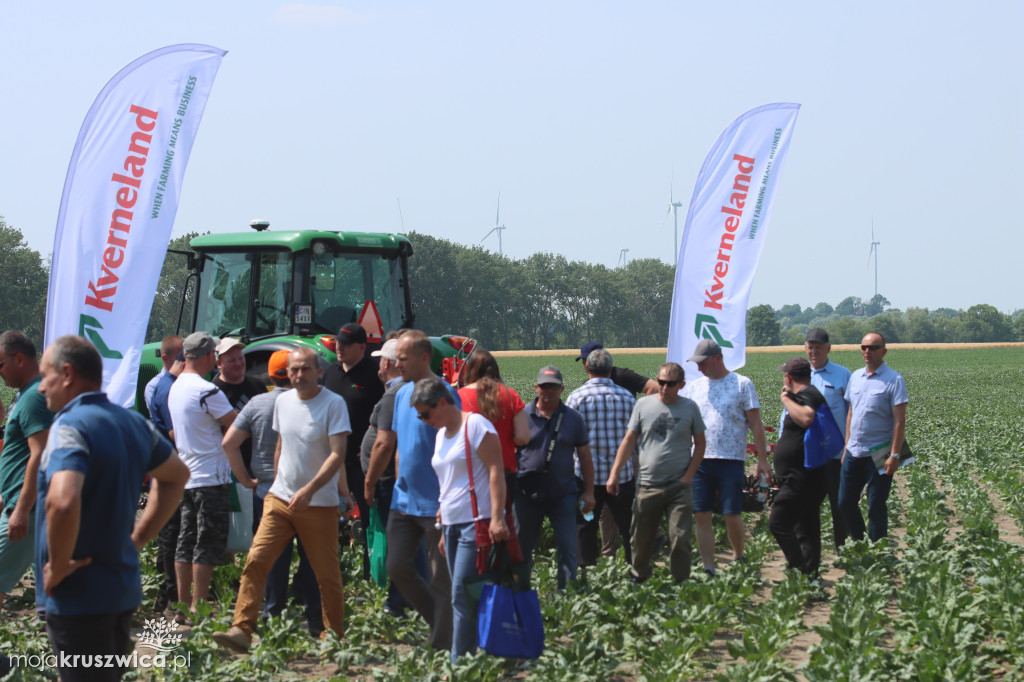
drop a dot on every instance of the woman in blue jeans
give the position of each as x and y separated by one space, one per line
455 430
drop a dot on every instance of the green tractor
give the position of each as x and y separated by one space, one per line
280 290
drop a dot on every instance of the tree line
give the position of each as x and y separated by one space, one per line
852 318
546 301
540 302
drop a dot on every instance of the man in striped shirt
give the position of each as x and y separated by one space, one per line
606 408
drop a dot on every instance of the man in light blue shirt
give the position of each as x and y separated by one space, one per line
831 379
877 420
416 496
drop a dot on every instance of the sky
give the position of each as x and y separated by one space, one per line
585 116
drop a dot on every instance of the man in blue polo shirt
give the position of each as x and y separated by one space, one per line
831 380
87 539
877 421
415 501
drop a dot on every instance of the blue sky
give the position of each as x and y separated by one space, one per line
324 114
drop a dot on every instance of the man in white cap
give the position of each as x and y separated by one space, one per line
238 387
729 407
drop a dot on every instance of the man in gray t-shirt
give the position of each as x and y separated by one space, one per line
664 427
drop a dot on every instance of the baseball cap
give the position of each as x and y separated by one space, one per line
549 374
198 344
704 350
351 333
798 367
227 343
588 348
278 365
389 350
817 335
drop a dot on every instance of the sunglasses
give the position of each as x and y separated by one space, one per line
871 347
425 414
665 382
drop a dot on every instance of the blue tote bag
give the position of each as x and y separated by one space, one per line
509 623
823 439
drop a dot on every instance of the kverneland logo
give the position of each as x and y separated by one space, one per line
734 209
706 327
102 291
89 327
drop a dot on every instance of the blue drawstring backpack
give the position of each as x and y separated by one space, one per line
823 439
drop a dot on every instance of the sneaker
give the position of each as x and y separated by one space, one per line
235 639
710 571
396 612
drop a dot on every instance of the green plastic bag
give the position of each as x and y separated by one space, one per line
377 543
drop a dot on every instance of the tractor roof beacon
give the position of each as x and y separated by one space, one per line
280 290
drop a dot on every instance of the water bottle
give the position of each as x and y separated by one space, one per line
762 489
587 516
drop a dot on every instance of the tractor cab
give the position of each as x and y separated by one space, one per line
269 285
281 290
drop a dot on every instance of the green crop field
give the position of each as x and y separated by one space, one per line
944 600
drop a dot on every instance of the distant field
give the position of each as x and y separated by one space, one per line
763 349
519 369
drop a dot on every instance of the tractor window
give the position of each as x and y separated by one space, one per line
341 285
273 300
224 296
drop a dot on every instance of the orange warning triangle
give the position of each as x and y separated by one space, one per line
369 320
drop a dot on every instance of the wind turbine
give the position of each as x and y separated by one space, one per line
673 208
623 259
497 228
874 252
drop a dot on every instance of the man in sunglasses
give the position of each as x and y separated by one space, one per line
665 427
877 421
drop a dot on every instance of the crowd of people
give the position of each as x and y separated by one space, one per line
380 430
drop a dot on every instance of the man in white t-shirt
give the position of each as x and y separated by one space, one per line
200 412
313 428
729 407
